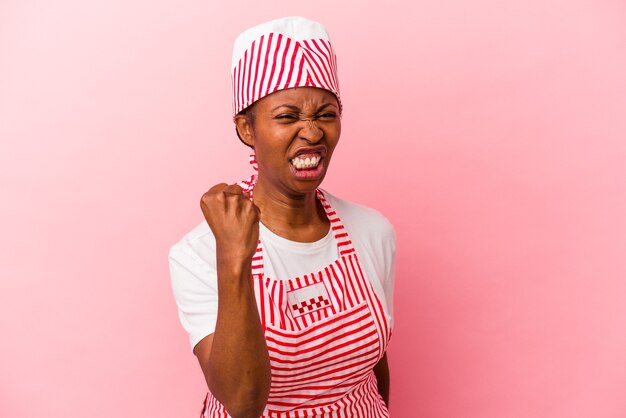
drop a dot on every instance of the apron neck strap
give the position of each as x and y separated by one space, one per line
340 234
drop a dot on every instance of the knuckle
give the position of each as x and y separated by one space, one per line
234 189
216 188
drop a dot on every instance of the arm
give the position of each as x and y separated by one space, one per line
381 370
234 359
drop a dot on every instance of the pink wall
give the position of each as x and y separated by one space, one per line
491 134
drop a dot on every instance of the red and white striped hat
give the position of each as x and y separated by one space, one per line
281 54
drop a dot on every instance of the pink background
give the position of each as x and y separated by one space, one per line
491 133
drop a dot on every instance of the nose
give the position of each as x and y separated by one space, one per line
310 132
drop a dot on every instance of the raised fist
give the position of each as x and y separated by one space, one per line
234 220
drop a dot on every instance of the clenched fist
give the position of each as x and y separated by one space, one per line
234 220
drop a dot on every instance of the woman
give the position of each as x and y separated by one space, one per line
286 290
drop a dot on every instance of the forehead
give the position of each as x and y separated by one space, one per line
301 97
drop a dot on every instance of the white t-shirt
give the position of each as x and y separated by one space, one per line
193 264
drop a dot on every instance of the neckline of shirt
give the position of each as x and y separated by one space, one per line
285 243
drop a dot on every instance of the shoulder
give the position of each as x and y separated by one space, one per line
361 220
196 247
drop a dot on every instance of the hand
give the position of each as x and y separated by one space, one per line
234 220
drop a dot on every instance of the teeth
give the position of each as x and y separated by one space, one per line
308 162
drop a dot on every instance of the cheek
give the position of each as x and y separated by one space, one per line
271 150
337 126
333 133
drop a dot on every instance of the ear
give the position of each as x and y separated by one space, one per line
245 130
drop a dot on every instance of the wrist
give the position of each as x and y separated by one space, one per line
233 264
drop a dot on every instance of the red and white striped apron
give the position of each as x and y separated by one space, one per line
325 331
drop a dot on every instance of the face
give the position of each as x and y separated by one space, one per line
294 133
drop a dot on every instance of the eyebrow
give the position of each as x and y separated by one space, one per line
297 109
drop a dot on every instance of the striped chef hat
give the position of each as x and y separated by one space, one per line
281 54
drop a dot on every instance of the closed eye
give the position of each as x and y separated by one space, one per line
285 117
327 115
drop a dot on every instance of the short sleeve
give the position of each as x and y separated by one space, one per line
382 251
390 267
194 284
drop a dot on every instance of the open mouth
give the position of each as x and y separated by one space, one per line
306 161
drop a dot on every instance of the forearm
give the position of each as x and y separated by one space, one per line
381 370
238 372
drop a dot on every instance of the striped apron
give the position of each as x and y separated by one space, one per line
325 331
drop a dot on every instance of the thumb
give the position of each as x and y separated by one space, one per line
258 209
247 195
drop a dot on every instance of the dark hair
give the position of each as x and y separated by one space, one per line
250 116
